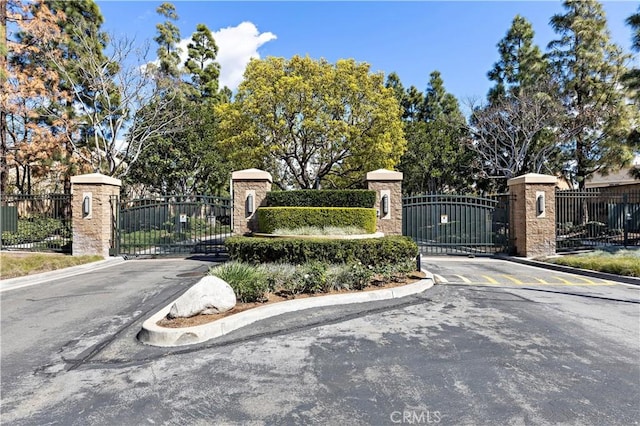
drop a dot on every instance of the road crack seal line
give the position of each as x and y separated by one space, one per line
75 363
415 300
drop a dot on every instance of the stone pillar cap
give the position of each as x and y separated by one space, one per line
96 178
384 174
532 178
251 174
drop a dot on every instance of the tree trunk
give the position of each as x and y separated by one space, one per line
3 115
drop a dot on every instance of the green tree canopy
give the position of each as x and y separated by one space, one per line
436 159
184 160
633 83
512 133
201 63
168 37
309 122
521 62
589 69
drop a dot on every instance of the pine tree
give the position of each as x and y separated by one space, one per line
632 79
201 62
512 134
521 62
84 42
589 69
168 37
438 103
436 158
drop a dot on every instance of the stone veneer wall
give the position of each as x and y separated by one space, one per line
531 234
257 182
92 234
389 182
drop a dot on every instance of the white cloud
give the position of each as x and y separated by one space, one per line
236 46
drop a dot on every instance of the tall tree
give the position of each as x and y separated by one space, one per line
393 82
514 135
84 41
33 147
168 37
131 106
308 122
183 160
201 65
436 159
521 62
589 69
4 170
438 102
632 79
513 132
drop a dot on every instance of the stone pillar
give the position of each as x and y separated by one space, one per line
532 217
387 183
91 212
248 185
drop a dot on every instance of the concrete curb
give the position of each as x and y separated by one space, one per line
570 270
153 334
35 279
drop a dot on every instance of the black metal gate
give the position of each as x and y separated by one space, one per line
457 224
36 222
597 217
170 225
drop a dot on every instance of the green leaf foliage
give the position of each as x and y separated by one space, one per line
248 282
272 218
521 62
589 69
372 252
309 122
322 198
436 159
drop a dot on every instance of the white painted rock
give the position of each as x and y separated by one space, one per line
210 295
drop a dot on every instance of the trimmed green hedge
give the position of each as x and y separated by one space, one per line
369 252
322 198
272 218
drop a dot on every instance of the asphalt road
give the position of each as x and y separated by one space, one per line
493 343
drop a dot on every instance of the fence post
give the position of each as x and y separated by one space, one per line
532 224
91 213
249 189
387 183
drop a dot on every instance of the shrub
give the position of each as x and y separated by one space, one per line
314 277
248 282
349 277
279 275
36 229
389 272
272 218
322 198
369 252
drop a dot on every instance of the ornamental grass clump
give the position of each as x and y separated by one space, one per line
248 282
623 262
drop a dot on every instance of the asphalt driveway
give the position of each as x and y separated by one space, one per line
462 352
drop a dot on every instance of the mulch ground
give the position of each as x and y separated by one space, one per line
274 298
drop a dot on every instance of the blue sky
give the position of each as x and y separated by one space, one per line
411 38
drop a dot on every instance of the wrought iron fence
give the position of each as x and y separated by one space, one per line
170 225
457 224
36 222
597 217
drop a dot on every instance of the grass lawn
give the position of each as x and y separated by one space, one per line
20 264
623 262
